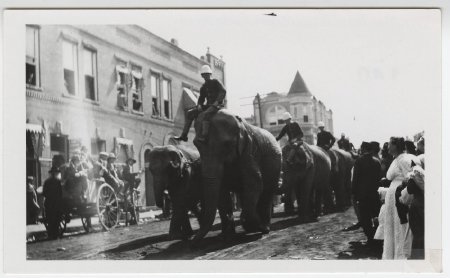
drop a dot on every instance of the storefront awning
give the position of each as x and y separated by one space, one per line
33 128
122 69
124 141
189 98
136 74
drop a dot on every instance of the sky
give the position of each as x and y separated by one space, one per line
374 68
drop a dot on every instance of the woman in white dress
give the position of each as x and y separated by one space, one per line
397 236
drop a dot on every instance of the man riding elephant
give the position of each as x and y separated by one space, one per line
325 139
214 93
177 170
294 133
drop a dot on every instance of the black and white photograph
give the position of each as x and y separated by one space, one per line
267 135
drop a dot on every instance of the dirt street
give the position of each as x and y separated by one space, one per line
320 240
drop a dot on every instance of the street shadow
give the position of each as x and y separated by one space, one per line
183 250
359 250
142 242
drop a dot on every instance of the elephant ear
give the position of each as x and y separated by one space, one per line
177 162
244 139
309 157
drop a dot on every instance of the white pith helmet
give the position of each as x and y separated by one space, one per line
286 116
205 69
321 124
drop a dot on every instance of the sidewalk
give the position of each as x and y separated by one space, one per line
38 231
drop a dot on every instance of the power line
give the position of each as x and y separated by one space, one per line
253 96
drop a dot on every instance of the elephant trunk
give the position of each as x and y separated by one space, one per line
159 185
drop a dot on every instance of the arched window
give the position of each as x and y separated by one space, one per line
274 115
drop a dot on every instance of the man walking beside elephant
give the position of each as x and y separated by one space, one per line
214 93
366 175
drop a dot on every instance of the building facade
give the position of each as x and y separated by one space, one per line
113 88
305 109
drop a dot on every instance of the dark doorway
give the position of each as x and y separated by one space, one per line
59 144
149 192
33 165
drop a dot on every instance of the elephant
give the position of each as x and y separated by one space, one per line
309 178
177 170
242 158
341 165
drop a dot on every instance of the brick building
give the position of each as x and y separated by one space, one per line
113 88
303 106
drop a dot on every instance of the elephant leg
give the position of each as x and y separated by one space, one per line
226 214
304 196
327 197
186 229
339 191
265 203
252 189
289 199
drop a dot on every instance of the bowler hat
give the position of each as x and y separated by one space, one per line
132 159
111 156
375 146
30 178
365 146
54 169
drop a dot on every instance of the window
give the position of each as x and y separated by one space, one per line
305 118
32 56
274 115
90 73
122 74
137 86
166 91
97 146
154 89
70 64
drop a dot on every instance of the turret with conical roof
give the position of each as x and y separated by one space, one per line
298 86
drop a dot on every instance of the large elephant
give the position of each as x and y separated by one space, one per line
177 170
309 178
341 167
242 158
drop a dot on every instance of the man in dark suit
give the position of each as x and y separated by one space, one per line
76 182
325 139
52 191
130 178
366 177
112 177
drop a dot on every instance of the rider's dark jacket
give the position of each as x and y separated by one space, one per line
293 130
212 91
325 138
344 144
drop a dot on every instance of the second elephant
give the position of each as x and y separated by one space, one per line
309 177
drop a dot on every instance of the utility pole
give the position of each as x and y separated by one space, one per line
258 98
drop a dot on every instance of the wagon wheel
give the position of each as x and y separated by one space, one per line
87 225
62 226
107 207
